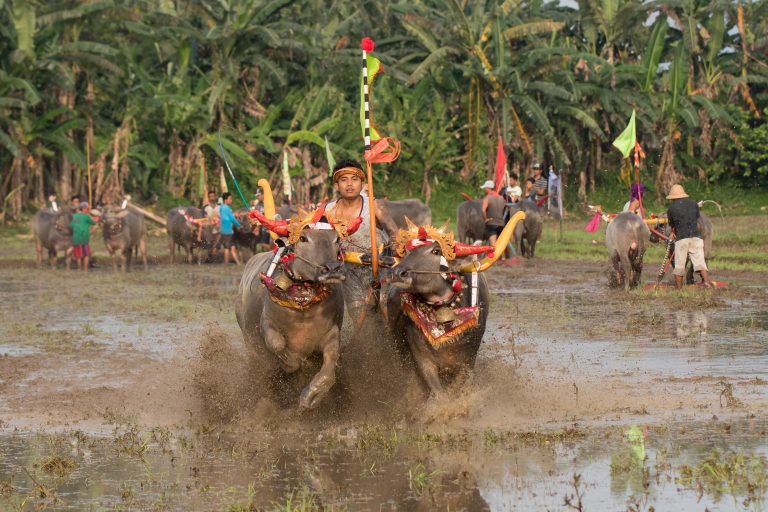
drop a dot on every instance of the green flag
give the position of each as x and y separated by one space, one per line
374 67
329 157
626 141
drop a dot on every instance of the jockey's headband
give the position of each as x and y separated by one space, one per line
348 170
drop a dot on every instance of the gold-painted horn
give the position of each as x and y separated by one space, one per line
269 203
501 244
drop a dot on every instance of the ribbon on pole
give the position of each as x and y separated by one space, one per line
501 164
377 149
329 158
231 174
286 177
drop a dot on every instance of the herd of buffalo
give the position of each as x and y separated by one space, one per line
434 300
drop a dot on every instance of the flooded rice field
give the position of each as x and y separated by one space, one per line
134 392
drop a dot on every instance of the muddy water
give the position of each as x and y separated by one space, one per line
622 401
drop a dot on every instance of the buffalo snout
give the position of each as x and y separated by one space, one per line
401 278
333 273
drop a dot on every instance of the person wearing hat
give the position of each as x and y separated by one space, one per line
493 212
348 180
81 235
683 215
539 183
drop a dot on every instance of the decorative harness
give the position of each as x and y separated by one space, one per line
291 290
441 322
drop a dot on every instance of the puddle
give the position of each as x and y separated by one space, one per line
365 468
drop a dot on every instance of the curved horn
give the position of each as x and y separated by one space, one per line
269 203
277 228
501 243
410 225
463 250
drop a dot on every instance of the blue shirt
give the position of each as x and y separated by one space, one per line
227 219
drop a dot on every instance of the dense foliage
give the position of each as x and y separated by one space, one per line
141 93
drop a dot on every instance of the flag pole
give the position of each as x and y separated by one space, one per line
637 178
369 167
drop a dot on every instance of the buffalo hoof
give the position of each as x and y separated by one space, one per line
310 398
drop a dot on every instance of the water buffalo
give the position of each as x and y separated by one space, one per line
432 308
51 231
124 231
244 236
296 311
470 226
625 238
184 233
528 232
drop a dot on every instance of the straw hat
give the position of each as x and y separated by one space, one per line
488 184
677 192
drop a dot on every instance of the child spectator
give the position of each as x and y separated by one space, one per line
81 235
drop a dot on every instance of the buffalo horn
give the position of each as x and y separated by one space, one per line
277 227
501 243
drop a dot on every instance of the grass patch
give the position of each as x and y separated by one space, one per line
737 474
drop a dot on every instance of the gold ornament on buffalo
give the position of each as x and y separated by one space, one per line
341 226
444 315
300 221
283 282
414 232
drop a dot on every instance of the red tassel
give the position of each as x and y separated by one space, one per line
353 225
367 44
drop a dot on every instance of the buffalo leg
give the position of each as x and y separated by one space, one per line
127 256
426 367
172 248
142 247
39 253
52 257
113 254
326 377
276 344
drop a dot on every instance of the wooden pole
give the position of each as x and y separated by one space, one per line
372 216
148 214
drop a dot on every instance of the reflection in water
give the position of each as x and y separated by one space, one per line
691 325
643 465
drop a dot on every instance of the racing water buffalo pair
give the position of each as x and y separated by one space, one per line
123 232
626 237
291 306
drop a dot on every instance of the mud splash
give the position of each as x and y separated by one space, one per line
144 383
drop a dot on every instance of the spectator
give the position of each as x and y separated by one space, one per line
228 220
539 183
81 235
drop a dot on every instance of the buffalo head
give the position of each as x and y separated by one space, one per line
314 243
113 221
431 261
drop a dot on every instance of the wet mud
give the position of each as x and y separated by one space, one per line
135 392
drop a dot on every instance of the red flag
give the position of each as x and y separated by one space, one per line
501 165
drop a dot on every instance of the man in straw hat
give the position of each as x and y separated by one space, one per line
683 216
